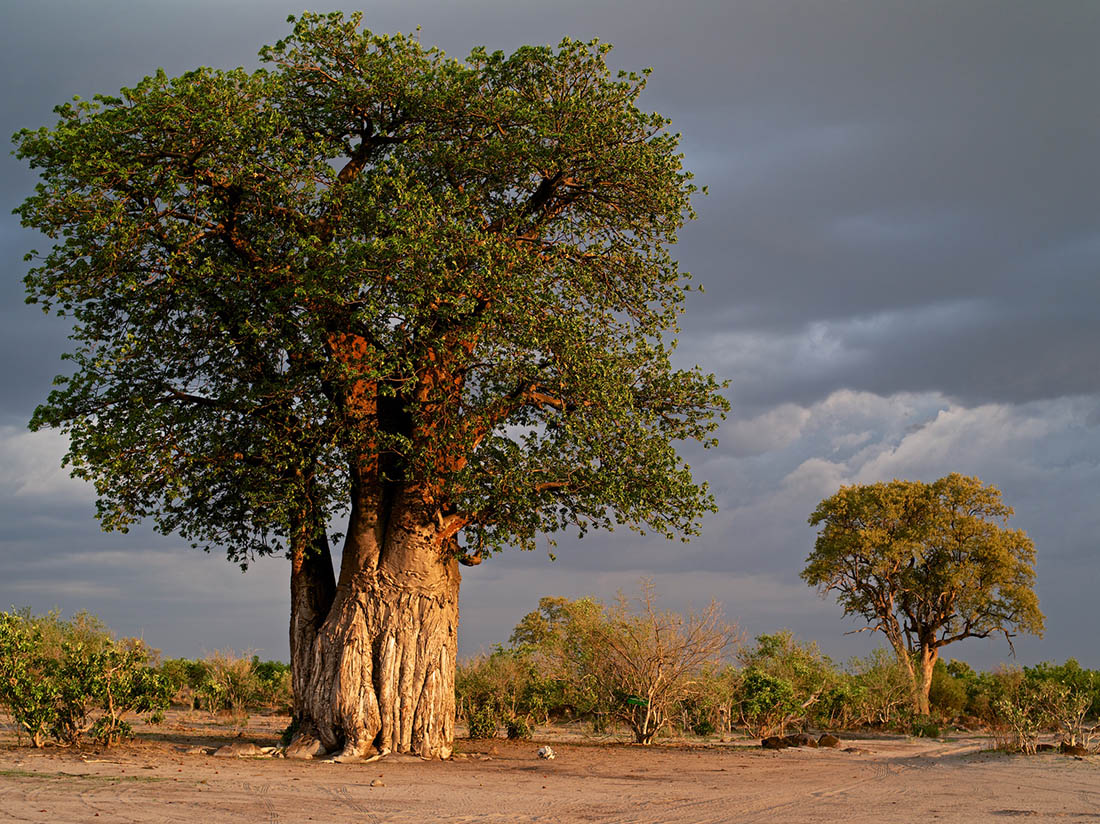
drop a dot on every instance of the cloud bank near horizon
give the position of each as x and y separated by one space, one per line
899 251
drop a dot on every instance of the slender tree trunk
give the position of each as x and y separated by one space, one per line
927 666
381 671
917 698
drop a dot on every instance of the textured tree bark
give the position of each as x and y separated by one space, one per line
312 590
380 675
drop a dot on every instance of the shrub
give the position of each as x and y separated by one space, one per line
708 705
225 680
127 685
1021 714
481 721
64 679
1082 682
1067 708
510 681
810 674
982 690
634 665
76 673
767 703
273 681
843 705
230 683
1026 705
518 729
884 689
948 695
642 663
185 677
557 640
924 727
25 688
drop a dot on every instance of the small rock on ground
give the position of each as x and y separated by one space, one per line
238 749
305 747
1073 749
801 739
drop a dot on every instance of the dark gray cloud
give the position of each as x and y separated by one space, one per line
900 259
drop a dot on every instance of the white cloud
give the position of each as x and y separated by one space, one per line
768 432
851 439
768 475
30 465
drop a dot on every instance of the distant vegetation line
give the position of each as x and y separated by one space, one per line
627 667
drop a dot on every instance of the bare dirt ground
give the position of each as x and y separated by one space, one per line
892 779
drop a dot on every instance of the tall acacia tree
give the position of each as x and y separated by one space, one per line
369 281
926 565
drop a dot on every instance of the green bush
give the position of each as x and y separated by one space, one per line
126 685
634 664
25 686
924 727
577 659
1082 682
842 706
273 685
708 706
1020 714
948 695
883 687
62 679
810 674
76 673
230 683
481 722
767 703
185 676
518 729
704 727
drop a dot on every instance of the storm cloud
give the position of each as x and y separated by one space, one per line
899 251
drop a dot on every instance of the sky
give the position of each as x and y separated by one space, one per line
900 250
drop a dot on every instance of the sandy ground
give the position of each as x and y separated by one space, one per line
892 780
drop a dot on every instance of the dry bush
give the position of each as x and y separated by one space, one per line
647 660
230 682
1068 709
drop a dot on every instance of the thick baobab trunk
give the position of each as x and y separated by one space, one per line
381 670
382 673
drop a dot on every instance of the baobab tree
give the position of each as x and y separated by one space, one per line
433 297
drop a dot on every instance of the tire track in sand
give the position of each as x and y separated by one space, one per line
341 794
262 792
721 811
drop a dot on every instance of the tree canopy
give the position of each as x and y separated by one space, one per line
433 295
366 265
926 564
